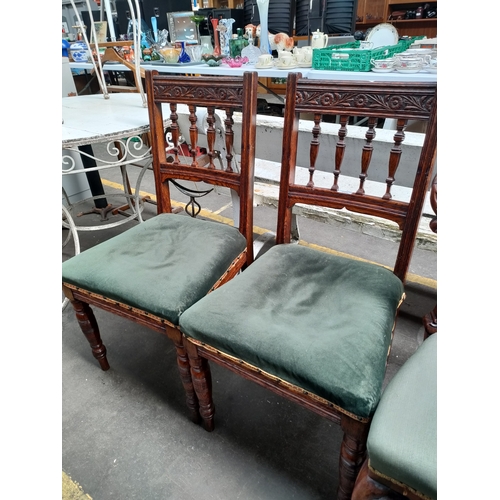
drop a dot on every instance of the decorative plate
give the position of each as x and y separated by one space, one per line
382 70
382 35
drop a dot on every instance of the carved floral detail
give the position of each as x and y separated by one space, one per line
357 99
189 92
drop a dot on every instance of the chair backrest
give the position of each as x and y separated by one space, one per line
205 95
374 100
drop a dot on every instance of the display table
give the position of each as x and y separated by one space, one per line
120 121
204 69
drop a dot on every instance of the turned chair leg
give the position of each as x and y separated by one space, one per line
185 372
352 455
202 381
88 325
367 488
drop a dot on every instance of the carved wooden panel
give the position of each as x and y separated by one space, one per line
411 101
343 101
185 90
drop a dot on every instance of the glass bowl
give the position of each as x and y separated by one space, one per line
212 60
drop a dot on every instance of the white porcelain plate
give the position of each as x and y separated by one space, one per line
382 35
382 70
408 70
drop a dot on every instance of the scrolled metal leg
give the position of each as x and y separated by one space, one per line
68 220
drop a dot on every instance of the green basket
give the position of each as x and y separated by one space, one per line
331 58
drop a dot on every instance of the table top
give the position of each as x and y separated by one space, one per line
92 119
204 69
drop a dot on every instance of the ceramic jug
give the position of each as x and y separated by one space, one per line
319 40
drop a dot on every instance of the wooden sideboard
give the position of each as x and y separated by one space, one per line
373 12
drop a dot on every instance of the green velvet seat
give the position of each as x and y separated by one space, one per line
162 266
316 320
402 443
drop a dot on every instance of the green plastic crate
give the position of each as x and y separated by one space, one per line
331 58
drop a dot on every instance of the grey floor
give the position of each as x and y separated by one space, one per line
126 434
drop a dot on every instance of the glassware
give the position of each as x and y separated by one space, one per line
264 46
194 52
225 28
251 51
237 43
183 56
197 19
215 24
206 45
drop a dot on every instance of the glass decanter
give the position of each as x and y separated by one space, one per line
251 51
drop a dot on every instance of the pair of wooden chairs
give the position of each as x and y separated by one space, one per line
313 327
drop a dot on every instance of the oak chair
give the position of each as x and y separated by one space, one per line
313 327
152 272
402 442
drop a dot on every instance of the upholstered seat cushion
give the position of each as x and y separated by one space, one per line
161 266
402 443
316 320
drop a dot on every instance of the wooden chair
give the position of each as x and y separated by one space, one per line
152 272
402 442
431 318
313 327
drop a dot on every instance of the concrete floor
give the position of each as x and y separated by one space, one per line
126 434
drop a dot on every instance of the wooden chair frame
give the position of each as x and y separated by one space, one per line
230 93
404 102
373 486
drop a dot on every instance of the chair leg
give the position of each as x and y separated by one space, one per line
367 488
90 329
202 381
187 381
352 455
430 322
